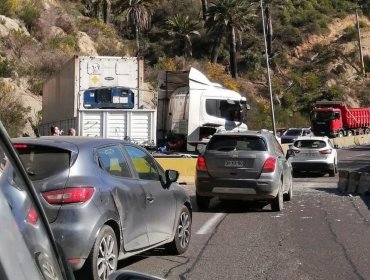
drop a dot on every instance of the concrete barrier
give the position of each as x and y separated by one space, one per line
353 181
185 166
343 180
364 184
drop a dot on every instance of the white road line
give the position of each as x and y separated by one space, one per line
209 226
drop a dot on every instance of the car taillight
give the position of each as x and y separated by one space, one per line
201 164
325 152
269 165
69 195
20 146
32 216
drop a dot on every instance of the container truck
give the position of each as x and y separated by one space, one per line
335 119
100 96
192 108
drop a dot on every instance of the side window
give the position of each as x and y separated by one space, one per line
113 161
144 164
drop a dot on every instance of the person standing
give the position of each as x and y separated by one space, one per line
72 132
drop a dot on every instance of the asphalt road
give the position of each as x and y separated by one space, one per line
321 234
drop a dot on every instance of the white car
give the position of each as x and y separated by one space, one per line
311 153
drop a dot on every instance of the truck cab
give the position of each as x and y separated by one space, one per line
327 122
195 108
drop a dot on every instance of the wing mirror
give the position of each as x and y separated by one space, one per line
289 154
171 177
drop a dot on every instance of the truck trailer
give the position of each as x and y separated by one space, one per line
335 119
100 96
193 108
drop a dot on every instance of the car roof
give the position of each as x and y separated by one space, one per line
323 138
68 141
244 133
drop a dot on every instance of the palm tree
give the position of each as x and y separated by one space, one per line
137 13
204 9
184 28
231 16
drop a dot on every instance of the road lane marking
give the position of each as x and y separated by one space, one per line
209 226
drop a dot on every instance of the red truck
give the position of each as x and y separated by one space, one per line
335 119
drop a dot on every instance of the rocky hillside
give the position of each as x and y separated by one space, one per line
37 37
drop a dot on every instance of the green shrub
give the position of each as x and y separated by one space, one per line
66 44
8 7
12 112
29 13
6 68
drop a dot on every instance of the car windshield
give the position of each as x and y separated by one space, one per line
309 144
236 142
41 162
293 132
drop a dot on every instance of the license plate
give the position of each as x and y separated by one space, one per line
233 163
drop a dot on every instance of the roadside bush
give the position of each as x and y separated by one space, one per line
19 42
29 13
8 7
6 68
67 44
349 34
12 112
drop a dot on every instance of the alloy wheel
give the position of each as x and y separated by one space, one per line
106 257
183 229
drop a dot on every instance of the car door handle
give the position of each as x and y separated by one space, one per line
150 198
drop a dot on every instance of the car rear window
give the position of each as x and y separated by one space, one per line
236 142
41 162
309 144
293 132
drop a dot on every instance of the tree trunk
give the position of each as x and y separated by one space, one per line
188 47
216 44
204 9
106 10
232 50
137 40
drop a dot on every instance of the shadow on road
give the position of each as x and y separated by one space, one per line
232 206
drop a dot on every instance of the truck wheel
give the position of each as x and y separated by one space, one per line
340 134
367 130
349 133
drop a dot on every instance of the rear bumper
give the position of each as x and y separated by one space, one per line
256 189
312 166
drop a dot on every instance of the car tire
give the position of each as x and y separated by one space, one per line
182 236
103 257
288 196
202 201
277 204
332 172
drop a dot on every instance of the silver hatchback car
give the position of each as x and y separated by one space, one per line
105 199
247 165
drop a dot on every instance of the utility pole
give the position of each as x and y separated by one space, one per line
360 44
268 69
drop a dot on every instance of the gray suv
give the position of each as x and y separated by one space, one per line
243 166
105 199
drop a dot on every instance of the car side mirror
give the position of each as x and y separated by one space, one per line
289 154
171 177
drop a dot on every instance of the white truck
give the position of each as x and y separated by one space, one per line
100 96
191 106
